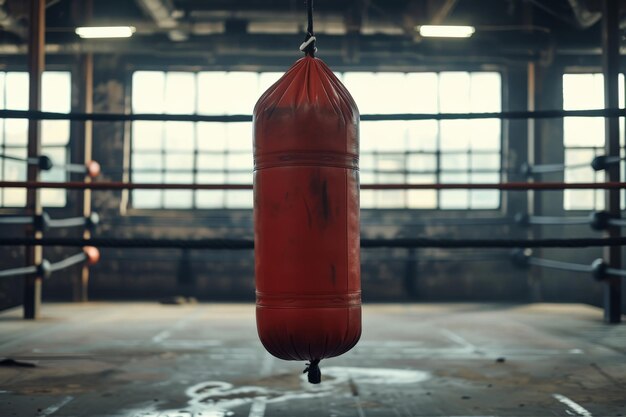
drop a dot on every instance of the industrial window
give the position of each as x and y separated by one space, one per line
391 152
583 138
55 134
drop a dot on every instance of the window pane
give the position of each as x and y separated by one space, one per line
581 199
181 199
210 198
454 92
383 136
239 137
422 199
485 93
422 162
454 134
148 92
360 86
422 135
211 136
2 95
583 91
147 162
147 198
16 91
180 93
484 199
179 136
56 97
454 199
14 171
422 87
266 79
391 151
484 133
583 138
148 135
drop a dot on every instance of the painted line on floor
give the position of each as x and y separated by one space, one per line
573 406
55 407
179 324
460 340
161 336
257 409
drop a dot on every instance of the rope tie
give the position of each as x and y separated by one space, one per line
308 46
313 372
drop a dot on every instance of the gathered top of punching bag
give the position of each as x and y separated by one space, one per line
303 106
306 214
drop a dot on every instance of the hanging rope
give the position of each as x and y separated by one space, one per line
308 46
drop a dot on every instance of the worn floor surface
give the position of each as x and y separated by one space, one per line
145 359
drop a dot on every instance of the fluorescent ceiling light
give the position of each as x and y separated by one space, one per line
437 31
92 32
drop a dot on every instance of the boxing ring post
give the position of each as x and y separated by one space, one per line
610 66
84 154
36 63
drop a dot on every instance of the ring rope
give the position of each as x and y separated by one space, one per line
69 261
521 219
43 221
9 219
597 220
526 220
14 272
246 244
598 163
510 186
45 163
49 267
563 266
599 269
159 117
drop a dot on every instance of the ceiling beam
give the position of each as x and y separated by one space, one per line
444 10
165 16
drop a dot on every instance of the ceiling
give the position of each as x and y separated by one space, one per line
348 30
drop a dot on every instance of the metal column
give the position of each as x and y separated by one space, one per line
84 155
36 45
610 65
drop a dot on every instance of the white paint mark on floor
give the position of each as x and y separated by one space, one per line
161 336
578 409
257 409
385 376
55 407
459 340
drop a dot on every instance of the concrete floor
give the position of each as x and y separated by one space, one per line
146 359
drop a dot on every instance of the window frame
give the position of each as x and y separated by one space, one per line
504 154
53 65
590 70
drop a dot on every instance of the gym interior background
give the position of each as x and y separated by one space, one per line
193 57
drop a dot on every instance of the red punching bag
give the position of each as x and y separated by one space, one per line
306 216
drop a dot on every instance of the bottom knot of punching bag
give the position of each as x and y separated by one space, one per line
313 371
